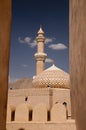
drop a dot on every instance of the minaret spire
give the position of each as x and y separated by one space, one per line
40 56
40 25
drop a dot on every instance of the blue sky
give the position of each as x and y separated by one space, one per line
27 16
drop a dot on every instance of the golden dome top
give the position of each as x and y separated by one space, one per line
52 77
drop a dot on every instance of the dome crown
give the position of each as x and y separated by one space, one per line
53 67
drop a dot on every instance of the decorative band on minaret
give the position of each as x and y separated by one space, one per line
40 56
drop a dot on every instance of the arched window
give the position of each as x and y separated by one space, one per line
48 115
65 104
30 115
21 129
26 98
12 115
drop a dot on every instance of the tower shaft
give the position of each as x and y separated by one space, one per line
40 56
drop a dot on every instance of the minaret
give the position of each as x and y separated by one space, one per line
40 56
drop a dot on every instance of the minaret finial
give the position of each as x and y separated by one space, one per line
40 25
40 30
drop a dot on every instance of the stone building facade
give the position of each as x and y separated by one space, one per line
46 105
39 108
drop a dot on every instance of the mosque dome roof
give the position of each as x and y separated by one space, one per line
52 77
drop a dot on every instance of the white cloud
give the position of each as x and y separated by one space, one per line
33 44
48 60
59 46
48 40
27 39
24 65
20 40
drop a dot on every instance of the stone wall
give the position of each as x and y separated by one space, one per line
39 118
69 125
5 28
34 96
40 113
39 105
78 61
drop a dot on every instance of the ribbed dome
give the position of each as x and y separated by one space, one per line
52 77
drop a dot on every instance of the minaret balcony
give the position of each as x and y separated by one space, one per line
40 39
40 56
